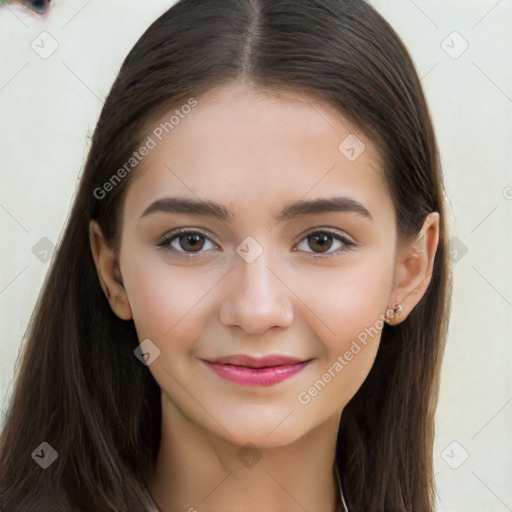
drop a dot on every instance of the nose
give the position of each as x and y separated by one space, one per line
255 298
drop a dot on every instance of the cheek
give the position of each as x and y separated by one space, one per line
348 306
360 304
164 300
345 300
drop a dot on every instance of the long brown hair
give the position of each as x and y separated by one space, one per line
79 386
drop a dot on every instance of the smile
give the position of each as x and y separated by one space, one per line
251 371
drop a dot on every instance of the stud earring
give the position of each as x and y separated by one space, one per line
395 310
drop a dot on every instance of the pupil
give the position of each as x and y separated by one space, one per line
193 241
323 242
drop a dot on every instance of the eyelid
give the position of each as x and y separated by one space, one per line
328 230
165 241
342 237
187 231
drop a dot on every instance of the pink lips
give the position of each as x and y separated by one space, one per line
256 371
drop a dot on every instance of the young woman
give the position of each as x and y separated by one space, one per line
248 306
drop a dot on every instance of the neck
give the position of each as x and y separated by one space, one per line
197 470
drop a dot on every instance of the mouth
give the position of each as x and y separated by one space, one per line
256 371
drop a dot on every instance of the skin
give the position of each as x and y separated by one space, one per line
255 152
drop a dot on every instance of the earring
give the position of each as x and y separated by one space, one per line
395 310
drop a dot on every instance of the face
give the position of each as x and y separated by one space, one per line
286 263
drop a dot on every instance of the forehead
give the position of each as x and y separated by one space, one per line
252 148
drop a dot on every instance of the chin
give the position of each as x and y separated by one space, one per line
265 433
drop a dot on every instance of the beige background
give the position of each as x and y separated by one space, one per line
49 106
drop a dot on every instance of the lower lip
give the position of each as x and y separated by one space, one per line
256 376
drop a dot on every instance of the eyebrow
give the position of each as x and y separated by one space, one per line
290 211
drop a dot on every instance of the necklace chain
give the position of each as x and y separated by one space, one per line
341 496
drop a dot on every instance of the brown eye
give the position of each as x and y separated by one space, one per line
186 242
192 242
321 242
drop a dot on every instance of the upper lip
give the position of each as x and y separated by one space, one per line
257 361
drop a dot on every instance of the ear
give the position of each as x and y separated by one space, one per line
413 270
109 274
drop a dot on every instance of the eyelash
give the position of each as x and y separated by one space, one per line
167 239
